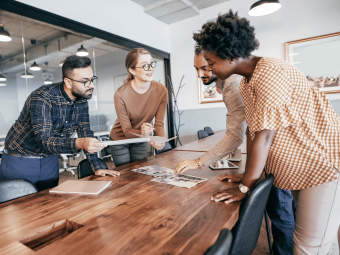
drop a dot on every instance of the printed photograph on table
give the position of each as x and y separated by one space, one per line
208 93
318 59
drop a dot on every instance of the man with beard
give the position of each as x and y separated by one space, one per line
53 115
236 124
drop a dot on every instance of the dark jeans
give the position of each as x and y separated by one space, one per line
127 153
43 173
281 209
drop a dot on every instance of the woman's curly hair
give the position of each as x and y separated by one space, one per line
229 37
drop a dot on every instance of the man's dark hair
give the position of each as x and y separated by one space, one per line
229 37
198 50
73 62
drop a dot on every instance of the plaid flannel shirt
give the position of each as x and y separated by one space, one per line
46 123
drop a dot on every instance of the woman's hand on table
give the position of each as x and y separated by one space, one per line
103 172
146 129
231 177
186 164
229 195
157 146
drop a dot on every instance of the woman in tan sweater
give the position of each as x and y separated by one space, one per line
137 102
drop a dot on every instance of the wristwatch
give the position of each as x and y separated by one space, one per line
243 189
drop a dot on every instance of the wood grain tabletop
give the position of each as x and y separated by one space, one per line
207 143
132 216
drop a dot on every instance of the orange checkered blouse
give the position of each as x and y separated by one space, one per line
305 148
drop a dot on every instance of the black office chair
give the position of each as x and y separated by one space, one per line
202 134
209 131
247 229
222 245
84 168
15 188
166 148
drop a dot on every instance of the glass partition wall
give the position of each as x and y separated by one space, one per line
34 57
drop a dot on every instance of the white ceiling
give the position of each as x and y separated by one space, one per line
170 11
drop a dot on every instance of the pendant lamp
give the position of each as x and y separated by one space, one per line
35 67
2 78
2 84
264 7
47 81
82 52
4 35
61 63
27 75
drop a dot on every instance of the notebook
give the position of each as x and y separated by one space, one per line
81 187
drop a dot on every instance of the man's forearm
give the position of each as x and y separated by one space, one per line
257 157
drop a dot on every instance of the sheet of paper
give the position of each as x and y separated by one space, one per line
167 176
125 141
156 139
81 187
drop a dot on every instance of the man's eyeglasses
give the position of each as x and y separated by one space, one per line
146 67
86 83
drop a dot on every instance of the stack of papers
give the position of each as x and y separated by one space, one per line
156 139
167 176
126 141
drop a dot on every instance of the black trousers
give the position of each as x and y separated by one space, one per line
127 153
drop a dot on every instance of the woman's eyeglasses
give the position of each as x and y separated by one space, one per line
86 83
146 67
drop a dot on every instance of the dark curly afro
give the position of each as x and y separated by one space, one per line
229 37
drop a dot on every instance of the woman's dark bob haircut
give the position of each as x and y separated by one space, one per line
230 37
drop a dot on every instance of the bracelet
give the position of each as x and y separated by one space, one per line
198 163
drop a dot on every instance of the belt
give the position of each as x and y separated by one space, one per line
15 154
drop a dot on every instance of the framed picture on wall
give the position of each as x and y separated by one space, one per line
319 59
118 81
208 93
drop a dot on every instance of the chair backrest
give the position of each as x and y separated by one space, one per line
15 188
202 134
222 245
167 147
84 168
209 130
247 229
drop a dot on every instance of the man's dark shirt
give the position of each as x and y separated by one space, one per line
46 123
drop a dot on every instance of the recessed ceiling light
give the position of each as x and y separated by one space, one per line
264 7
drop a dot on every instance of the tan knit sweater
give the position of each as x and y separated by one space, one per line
236 124
134 109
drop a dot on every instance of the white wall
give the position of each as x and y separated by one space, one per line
297 19
121 17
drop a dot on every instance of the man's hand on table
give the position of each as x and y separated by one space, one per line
229 195
103 172
90 144
187 164
231 177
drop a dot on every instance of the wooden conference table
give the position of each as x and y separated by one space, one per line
132 216
207 143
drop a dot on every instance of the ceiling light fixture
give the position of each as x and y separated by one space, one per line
2 84
27 75
47 81
61 63
264 7
82 52
2 78
4 35
35 67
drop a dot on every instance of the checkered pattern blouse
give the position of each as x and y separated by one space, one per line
305 149
46 123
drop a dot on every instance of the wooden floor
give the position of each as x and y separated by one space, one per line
262 244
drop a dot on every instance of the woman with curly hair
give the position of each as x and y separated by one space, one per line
294 130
